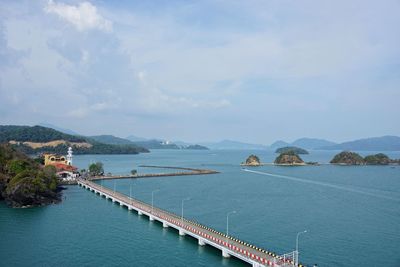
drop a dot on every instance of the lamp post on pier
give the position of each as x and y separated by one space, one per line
130 191
152 199
227 221
297 246
183 201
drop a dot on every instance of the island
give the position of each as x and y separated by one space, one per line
289 158
24 182
378 159
252 160
196 147
352 158
296 150
347 158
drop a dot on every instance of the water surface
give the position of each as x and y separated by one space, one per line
352 214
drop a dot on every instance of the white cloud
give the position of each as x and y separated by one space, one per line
152 99
83 17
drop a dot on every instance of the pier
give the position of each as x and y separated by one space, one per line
229 246
184 172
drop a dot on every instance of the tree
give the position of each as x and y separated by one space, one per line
133 172
96 169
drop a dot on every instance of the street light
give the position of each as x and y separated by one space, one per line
183 200
297 246
227 221
130 191
152 199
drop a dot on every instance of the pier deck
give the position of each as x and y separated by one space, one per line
229 246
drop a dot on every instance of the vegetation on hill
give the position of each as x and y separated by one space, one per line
294 149
252 160
348 158
351 158
34 134
377 159
23 182
111 140
289 158
80 144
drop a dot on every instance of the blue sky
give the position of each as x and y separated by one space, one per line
254 71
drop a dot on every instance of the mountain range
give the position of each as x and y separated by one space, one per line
383 143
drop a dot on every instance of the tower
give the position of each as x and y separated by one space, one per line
69 156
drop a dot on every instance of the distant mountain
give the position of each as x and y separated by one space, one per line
156 144
111 140
384 143
312 143
135 138
195 147
229 144
278 144
63 130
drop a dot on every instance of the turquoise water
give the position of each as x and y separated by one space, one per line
352 214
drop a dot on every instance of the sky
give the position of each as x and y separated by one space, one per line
247 70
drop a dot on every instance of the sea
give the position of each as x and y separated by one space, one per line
351 213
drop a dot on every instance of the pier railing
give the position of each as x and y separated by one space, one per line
229 245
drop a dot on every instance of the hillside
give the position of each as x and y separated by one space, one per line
38 134
252 160
111 140
23 182
348 158
384 143
38 139
296 150
57 128
289 158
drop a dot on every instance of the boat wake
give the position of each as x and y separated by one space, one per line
338 187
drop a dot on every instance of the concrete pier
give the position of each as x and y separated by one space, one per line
229 246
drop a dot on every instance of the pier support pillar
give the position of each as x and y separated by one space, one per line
120 203
139 212
129 207
255 264
201 242
151 218
225 254
181 232
165 225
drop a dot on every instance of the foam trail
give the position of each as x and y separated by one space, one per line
323 184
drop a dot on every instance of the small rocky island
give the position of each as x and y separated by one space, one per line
347 158
252 160
294 149
352 158
289 158
24 182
